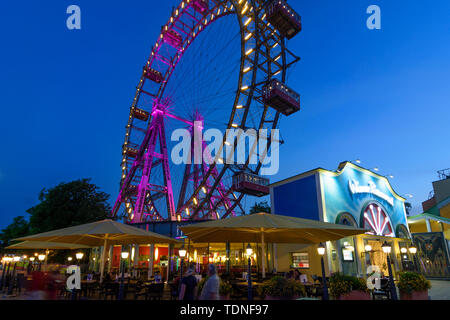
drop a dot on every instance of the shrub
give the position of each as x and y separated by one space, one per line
412 281
281 287
225 288
339 285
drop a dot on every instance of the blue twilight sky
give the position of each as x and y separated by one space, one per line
381 96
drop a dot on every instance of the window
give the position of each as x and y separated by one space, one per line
347 255
300 260
346 219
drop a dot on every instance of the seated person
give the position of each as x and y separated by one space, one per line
158 278
303 278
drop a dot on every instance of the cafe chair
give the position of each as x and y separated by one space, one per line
140 290
238 292
384 291
173 291
155 291
109 289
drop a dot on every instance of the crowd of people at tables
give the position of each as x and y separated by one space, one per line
50 284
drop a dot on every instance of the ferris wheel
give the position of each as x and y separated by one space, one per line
216 65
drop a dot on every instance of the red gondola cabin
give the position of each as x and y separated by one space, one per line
132 190
153 75
131 152
200 5
284 18
281 97
251 184
140 114
173 38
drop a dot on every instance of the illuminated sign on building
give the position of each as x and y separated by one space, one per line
351 195
370 188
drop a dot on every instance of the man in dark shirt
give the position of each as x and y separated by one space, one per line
188 289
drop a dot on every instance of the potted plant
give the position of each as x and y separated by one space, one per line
348 288
225 290
413 286
280 288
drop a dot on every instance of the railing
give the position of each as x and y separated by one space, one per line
444 174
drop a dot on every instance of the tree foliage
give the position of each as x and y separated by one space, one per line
68 204
18 228
260 207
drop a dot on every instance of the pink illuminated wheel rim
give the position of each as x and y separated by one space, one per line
208 66
377 221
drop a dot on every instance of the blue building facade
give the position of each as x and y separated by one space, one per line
351 195
354 196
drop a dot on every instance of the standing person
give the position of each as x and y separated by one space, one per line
188 289
211 288
38 286
108 277
290 275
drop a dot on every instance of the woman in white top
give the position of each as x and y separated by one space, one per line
211 288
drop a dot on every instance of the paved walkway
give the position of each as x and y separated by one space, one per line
440 290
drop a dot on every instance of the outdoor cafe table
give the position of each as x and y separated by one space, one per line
88 281
245 283
87 285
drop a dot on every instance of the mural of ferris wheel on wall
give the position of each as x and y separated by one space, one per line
218 64
377 221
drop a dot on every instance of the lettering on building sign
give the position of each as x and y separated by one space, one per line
370 188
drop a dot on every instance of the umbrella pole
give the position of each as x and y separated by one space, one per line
136 260
151 260
275 258
189 251
102 265
263 254
169 262
243 259
228 258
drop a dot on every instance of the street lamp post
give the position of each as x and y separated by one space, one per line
387 249
124 255
13 276
41 258
321 251
413 251
249 252
79 256
5 272
182 252
30 265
